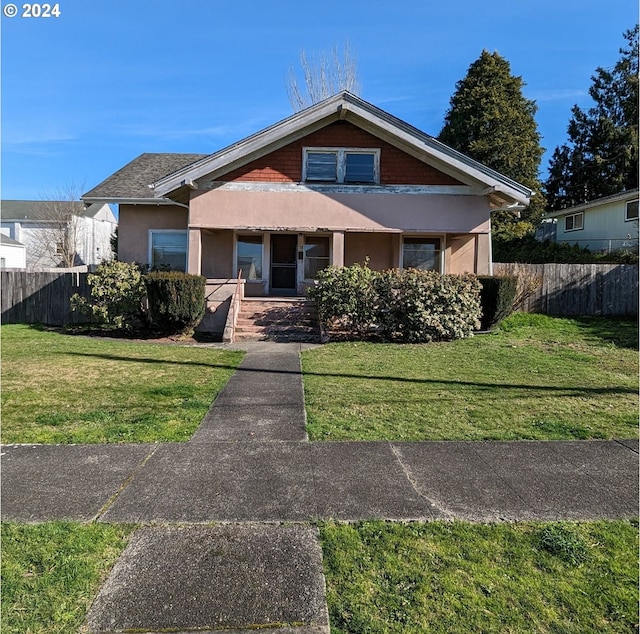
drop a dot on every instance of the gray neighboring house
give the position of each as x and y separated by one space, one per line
603 225
29 222
13 254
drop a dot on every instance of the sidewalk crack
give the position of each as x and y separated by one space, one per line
126 482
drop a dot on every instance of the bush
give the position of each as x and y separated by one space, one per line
406 305
497 298
117 296
422 306
176 300
345 297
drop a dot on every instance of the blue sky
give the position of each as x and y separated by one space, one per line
86 92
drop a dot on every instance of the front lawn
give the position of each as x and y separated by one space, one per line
385 578
539 378
60 388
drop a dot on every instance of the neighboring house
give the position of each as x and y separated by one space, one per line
13 254
603 225
38 225
336 183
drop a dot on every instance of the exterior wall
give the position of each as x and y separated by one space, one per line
604 229
13 256
217 254
382 249
311 210
135 222
285 165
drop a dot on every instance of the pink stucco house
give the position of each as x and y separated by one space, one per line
336 183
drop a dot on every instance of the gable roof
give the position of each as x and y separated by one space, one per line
131 183
41 210
9 241
631 194
501 190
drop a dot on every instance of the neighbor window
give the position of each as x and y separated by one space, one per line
341 165
631 210
421 253
316 255
573 222
168 250
249 257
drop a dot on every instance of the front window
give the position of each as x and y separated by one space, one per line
316 255
249 257
574 222
168 250
341 165
421 253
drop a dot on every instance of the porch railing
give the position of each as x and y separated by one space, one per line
229 335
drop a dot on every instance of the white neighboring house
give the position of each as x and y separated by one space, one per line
603 225
27 222
13 254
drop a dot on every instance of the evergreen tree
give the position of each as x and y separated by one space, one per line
491 121
601 156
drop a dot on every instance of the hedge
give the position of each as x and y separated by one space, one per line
497 298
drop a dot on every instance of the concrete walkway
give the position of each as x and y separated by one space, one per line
249 469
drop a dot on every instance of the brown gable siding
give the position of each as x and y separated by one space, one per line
285 165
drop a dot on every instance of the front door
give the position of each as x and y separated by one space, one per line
284 258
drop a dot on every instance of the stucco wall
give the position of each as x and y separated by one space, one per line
217 254
134 224
382 249
311 210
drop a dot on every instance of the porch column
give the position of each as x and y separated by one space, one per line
194 252
338 248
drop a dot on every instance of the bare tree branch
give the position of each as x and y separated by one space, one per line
323 77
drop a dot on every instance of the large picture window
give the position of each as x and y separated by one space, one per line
249 257
168 250
421 253
341 165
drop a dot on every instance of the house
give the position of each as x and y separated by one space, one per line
603 225
336 183
41 227
13 254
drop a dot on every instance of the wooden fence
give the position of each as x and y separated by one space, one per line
34 297
580 289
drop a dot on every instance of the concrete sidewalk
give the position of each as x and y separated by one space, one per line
249 468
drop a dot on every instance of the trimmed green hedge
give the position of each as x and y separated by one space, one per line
497 297
176 300
397 305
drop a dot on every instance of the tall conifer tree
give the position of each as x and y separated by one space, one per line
601 155
491 121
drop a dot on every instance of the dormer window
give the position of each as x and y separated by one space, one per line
354 166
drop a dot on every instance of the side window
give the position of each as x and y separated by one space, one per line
574 222
249 257
168 249
421 253
631 210
316 255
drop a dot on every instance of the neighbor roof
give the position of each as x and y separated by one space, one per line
501 189
36 210
9 241
131 183
631 194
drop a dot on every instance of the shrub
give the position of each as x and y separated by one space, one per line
422 306
176 300
497 297
345 297
117 296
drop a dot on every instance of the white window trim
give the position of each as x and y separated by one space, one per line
626 211
442 239
341 162
579 214
150 251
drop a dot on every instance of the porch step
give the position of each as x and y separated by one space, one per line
277 319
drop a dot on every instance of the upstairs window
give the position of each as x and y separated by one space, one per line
574 222
631 210
341 165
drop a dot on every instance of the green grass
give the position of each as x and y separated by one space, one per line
457 577
51 573
537 378
60 388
